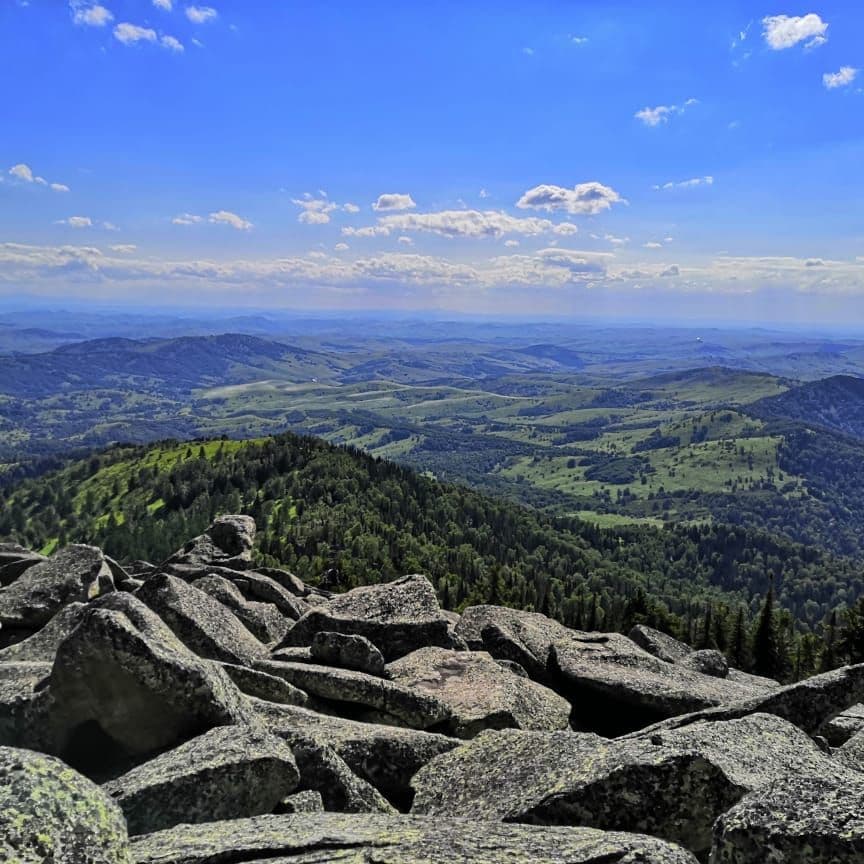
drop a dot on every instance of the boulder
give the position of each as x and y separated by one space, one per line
672 785
266 589
263 620
799 820
661 645
397 617
408 707
479 693
708 662
842 727
42 645
387 757
264 686
124 686
75 573
20 714
14 560
49 813
203 624
228 542
302 802
226 773
320 837
349 652
851 753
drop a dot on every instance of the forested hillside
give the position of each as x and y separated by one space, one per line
341 515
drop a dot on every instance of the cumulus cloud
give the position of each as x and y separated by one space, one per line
661 113
24 173
394 201
350 208
341 247
130 34
123 248
611 238
405 241
511 244
314 211
167 5
707 180
59 187
187 219
586 199
470 223
201 14
366 232
843 78
787 31
91 15
171 44
77 222
673 270
226 217
579 40
652 244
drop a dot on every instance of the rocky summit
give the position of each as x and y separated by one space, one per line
202 710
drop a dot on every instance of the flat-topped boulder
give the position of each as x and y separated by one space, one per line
672 785
397 617
228 542
262 685
661 645
202 623
50 813
841 728
73 574
799 820
349 652
320 837
479 692
226 773
123 685
406 706
42 645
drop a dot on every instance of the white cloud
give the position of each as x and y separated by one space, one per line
226 217
59 187
470 223
483 193
201 14
394 201
611 238
367 231
673 270
846 75
172 44
123 248
110 226
579 40
652 244
91 16
22 172
707 180
341 247
584 198
405 241
187 219
77 222
129 34
350 208
511 244
167 5
785 31
314 211
661 113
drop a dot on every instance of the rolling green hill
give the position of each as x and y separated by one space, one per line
328 510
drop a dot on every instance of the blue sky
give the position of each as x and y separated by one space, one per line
548 158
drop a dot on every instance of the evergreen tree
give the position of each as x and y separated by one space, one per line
766 652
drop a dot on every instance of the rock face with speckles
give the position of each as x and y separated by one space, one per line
50 813
227 543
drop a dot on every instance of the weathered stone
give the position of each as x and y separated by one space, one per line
661 645
293 655
226 773
123 686
288 580
413 709
385 756
263 620
798 820
228 542
14 560
302 802
851 754
43 644
672 786
264 686
514 667
397 617
842 727
708 662
75 573
203 624
20 711
318 837
479 693
259 586
349 652
49 813
754 682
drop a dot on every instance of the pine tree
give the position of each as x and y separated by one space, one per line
739 650
766 653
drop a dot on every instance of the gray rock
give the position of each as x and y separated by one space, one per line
348 652
228 542
264 686
851 753
49 813
673 786
302 802
479 693
397 617
410 708
387 757
754 682
799 820
659 644
841 728
263 620
293 655
226 773
74 574
708 662
20 709
203 624
124 685
321 837
264 588
14 560
42 645
289 581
